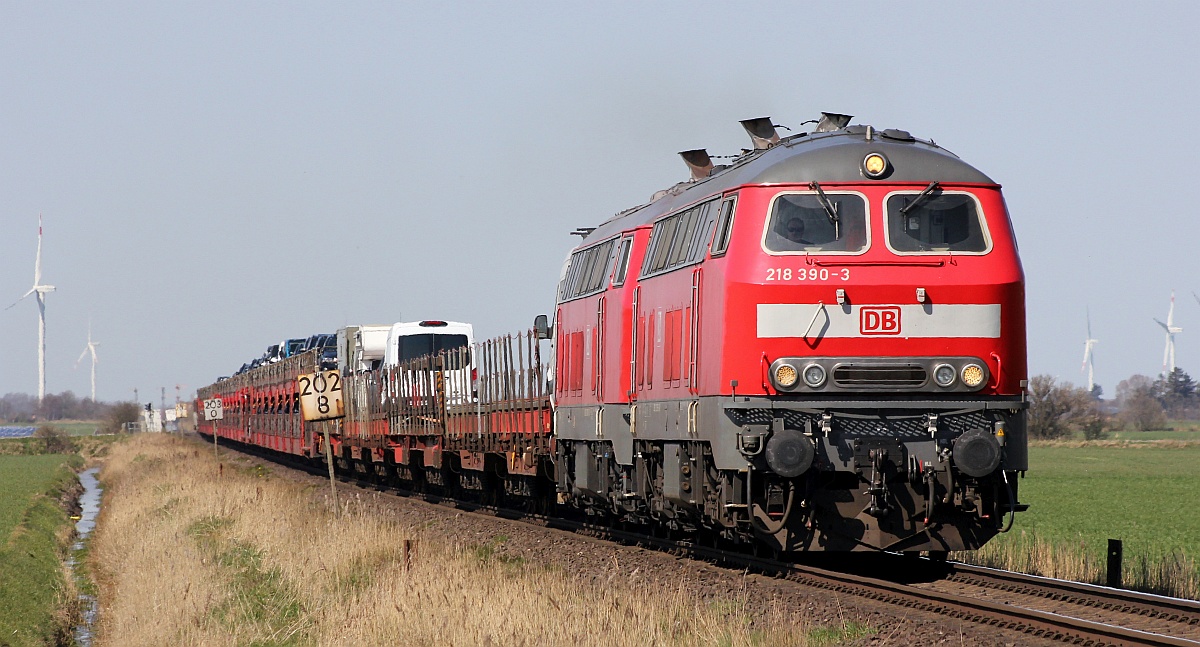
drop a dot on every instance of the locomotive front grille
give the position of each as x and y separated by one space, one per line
853 425
867 376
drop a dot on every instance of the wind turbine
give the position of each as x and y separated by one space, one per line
91 348
40 292
1171 329
1088 359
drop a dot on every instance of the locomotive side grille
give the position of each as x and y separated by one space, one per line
879 376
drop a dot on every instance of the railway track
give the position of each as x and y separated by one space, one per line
1055 610
1048 609
1122 607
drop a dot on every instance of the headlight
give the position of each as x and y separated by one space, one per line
874 165
943 374
785 375
814 375
972 375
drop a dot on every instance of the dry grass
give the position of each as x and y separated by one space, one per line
1117 443
186 557
1175 574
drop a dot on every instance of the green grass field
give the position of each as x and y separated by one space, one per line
34 532
21 477
1145 494
79 427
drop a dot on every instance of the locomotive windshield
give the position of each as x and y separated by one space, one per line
940 223
801 223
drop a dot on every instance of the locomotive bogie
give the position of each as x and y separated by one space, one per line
895 470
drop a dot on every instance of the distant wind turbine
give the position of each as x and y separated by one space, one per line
1171 330
40 292
90 348
1088 359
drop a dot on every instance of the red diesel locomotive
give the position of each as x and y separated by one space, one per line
819 346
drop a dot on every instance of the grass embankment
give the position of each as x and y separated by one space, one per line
184 555
37 601
1083 494
86 446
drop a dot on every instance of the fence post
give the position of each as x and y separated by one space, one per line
1114 563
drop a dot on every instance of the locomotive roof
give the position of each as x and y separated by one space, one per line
828 157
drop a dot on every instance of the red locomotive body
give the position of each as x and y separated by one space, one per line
821 345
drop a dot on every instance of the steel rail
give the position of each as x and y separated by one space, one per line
1135 602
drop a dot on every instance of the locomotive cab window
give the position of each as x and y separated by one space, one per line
622 262
586 271
802 223
724 226
935 223
679 240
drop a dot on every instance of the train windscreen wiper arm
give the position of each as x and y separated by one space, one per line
830 209
923 196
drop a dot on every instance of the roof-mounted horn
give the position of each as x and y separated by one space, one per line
761 131
831 121
698 162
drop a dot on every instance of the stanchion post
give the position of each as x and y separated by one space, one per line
1114 563
337 511
214 410
321 400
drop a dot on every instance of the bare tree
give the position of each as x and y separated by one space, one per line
1055 410
1141 407
119 414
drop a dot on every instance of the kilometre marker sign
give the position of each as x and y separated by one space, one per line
321 395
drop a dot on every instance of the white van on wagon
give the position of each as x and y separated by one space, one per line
408 341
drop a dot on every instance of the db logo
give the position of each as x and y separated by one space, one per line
879 320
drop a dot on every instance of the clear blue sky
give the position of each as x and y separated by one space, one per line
216 176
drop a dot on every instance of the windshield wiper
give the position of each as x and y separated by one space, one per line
830 209
923 196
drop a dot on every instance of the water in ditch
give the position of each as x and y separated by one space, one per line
89 501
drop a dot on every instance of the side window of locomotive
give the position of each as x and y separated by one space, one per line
587 271
622 262
944 222
802 223
724 226
679 240
703 232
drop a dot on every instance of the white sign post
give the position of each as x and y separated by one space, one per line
321 399
214 410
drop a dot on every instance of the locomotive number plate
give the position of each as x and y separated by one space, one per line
807 274
321 395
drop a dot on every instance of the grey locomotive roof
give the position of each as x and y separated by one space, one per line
822 157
